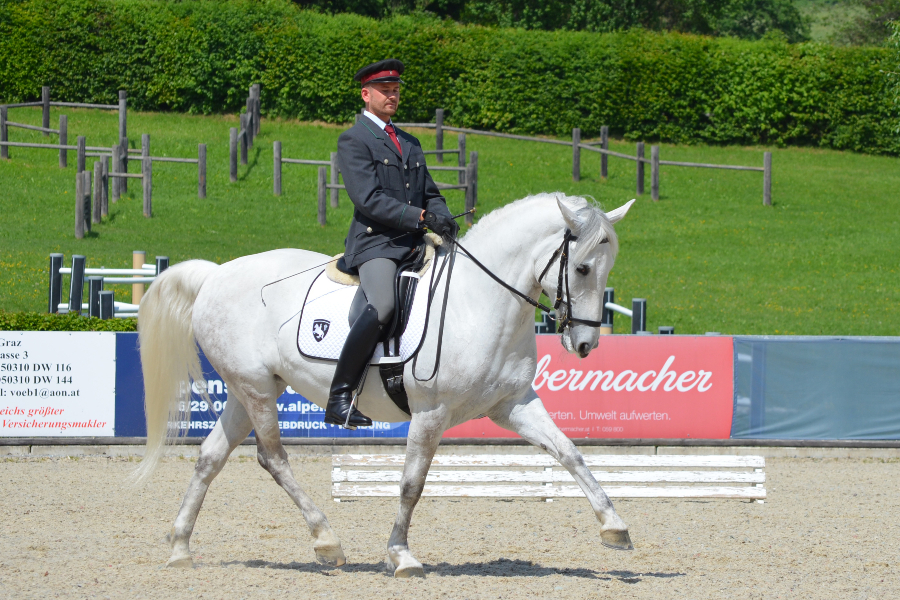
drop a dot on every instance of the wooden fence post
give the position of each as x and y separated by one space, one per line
147 169
79 208
80 161
767 179
63 141
461 157
251 126
123 154
323 177
145 154
201 171
123 114
257 109
654 173
439 132
604 159
97 203
104 186
640 168
232 153
45 108
4 133
276 178
137 262
116 167
471 185
243 135
576 154
334 180
86 190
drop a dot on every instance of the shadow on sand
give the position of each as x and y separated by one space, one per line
501 567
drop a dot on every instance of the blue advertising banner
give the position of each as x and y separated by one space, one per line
297 416
808 388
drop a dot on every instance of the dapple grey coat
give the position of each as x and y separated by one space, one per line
388 191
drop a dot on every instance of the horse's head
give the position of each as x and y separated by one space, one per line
590 259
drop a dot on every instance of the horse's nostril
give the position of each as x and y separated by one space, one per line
584 349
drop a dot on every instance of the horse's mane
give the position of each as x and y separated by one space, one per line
595 225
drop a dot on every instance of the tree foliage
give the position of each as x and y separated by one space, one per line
748 19
201 56
871 26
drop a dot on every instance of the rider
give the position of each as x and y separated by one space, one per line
393 194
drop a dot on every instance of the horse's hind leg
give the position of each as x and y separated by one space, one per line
232 428
530 419
425 432
273 458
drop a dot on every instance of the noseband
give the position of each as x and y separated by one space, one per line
563 280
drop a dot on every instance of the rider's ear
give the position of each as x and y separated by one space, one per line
618 214
569 210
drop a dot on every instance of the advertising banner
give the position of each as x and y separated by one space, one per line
297 416
632 387
57 383
796 387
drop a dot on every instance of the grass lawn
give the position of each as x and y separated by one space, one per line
708 257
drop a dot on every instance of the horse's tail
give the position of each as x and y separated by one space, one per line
169 355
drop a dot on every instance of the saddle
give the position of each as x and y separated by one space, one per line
394 350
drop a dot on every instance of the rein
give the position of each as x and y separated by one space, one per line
562 282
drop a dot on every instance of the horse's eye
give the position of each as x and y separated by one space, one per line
583 269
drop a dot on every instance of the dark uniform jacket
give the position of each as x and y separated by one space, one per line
389 192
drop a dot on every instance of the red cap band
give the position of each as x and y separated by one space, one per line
379 75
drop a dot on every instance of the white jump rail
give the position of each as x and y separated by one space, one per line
536 476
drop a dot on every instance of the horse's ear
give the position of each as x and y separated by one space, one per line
569 210
618 214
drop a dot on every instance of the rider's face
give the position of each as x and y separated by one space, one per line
382 98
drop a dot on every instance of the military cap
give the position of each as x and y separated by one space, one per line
383 70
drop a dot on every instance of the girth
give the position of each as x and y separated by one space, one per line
405 283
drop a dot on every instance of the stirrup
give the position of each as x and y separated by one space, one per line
362 382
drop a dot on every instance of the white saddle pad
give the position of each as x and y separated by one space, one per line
323 322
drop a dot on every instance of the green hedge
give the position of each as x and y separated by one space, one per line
32 321
201 56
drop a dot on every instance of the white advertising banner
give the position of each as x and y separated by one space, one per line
57 383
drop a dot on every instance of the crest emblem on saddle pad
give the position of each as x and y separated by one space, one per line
320 329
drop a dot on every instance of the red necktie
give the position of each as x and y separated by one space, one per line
389 129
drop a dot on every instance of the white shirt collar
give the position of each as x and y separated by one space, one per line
376 120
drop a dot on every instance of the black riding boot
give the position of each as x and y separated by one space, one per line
357 351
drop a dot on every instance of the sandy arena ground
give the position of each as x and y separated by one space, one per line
71 529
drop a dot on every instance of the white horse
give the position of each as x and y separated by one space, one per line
487 366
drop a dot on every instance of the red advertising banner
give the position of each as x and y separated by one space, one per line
655 386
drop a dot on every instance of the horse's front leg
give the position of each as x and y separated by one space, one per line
425 432
530 419
231 429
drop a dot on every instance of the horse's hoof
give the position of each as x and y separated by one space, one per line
331 556
180 563
617 540
404 565
408 571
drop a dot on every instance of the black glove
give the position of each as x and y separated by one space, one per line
442 225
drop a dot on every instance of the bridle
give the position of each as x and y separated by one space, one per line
562 252
562 281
